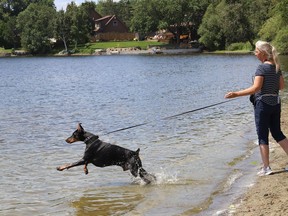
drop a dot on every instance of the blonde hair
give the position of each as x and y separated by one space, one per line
270 52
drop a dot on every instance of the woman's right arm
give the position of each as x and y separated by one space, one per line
257 85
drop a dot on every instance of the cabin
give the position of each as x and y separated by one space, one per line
111 28
94 15
109 24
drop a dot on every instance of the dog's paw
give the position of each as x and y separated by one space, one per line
86 170
60 168
149 178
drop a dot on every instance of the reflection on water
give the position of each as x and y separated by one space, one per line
192 155
136 199
107 201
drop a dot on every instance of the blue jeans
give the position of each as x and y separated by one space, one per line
267 118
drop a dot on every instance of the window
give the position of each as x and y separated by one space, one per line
115 23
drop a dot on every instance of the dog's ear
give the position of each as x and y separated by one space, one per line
80 128
137 151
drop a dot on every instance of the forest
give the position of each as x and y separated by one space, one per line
217 24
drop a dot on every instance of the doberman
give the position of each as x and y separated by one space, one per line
103 154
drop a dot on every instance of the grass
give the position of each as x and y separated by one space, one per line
5 50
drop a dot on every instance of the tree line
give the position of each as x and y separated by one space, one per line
218 24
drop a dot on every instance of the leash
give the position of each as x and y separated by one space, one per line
169 117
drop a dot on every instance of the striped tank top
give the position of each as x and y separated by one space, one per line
269 92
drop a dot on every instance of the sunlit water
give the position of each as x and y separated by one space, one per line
195 156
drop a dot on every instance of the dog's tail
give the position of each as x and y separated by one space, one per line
146 177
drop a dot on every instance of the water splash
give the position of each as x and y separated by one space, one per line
166 177
163 177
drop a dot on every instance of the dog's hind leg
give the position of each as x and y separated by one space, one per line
145 176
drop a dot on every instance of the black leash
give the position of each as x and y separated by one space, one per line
169 117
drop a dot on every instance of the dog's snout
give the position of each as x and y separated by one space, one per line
70 140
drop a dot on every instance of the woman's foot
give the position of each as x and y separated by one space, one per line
265 171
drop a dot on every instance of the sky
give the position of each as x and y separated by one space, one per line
62 4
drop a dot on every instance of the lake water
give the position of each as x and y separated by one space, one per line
198 158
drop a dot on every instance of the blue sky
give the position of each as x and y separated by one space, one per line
62 4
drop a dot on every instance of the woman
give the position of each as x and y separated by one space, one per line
267 107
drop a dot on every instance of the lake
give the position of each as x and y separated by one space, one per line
201 158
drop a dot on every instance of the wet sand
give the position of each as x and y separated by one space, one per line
269 194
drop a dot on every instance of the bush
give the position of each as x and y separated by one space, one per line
239 46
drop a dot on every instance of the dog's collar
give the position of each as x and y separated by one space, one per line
90 137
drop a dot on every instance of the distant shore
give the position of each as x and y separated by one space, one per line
114 51
131 51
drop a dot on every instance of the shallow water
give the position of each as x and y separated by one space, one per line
193 155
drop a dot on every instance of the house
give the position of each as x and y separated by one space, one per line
110 24
111 28
93 14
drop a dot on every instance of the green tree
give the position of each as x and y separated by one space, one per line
275 28
197 9
252 9
271 27
107 7
87 8
36 27
9 10
211 32
230 21
144 18
62 26
178 16
79 29
281 39
9 33
14 7
172 14
125 11
235 24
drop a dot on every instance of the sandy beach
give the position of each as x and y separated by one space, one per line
269 195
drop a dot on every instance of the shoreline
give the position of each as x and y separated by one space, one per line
268 195
132 51
115 51
251 195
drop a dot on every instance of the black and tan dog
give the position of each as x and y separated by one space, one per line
103 154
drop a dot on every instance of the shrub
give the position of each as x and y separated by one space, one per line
239 46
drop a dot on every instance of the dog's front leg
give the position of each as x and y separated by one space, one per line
85 168
145 176
68 166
